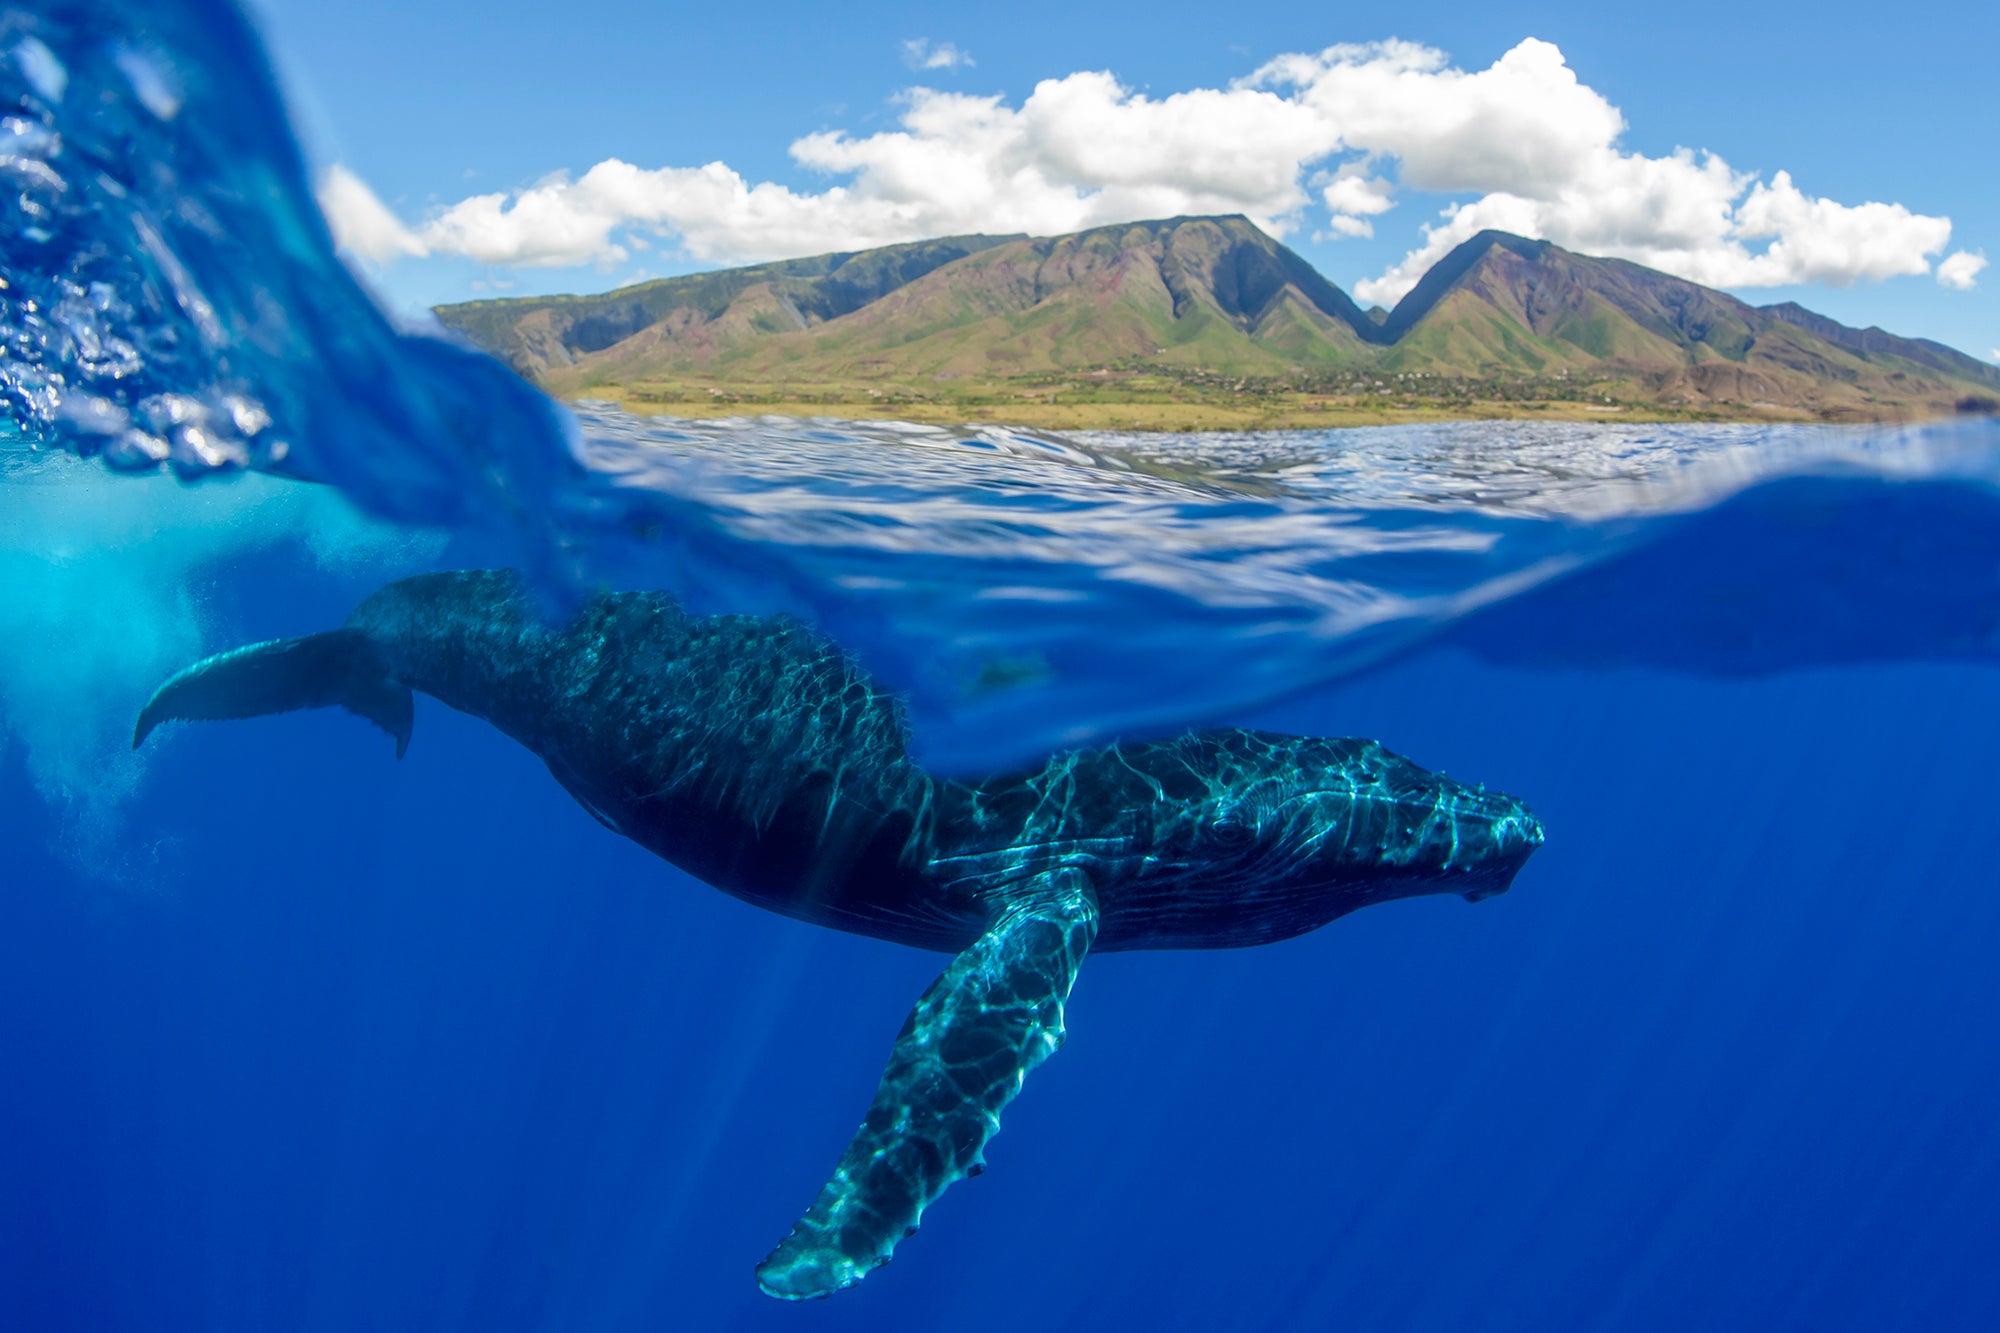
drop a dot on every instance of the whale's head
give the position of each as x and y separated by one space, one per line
1305 812
1240 836
1234 837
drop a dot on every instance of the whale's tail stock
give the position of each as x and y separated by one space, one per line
340 667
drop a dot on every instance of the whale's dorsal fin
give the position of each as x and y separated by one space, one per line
995 1014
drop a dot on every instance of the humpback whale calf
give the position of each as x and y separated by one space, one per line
759 757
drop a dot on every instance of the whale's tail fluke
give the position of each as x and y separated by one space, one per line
342 667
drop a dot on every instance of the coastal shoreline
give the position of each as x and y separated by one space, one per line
1185 418
1185 324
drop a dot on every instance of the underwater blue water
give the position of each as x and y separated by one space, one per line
298 1036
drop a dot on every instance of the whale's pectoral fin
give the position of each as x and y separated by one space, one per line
341 667
995 1014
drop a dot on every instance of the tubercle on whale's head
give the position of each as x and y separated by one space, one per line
1345 816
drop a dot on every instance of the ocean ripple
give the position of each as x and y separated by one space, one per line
170 301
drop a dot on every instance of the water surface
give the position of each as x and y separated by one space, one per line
302 1037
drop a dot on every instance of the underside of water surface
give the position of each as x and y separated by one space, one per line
298 1036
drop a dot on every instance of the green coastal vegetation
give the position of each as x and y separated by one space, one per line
1208 323
1143 397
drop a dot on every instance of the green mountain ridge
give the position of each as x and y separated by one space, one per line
1215 297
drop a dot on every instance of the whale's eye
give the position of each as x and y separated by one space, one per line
1230 829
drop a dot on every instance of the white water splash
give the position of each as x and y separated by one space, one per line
102 577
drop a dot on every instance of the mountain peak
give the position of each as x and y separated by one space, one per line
1211 295
1448 272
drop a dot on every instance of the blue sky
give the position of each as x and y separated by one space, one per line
1558 118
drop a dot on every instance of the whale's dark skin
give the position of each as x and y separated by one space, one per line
759 757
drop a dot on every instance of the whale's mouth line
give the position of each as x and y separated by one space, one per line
1467 854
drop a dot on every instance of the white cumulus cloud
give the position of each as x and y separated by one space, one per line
1960 271
1692 218
1522 145
362 223
919 53
1079 152
1352 196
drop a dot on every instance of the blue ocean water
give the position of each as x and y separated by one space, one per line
297 1036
